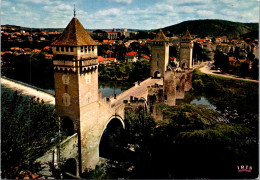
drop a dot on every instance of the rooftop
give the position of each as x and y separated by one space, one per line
74 35
160 37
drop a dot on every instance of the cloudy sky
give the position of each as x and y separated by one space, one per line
138 14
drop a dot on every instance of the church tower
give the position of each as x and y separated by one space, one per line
186 46
160 55
75 80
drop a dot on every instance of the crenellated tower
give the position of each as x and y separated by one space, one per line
160 55
76 86
186 46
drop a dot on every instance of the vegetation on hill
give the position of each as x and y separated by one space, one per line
137 71
28 126
213 27
33 69
190 142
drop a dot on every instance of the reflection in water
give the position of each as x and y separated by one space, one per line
109 88
203 101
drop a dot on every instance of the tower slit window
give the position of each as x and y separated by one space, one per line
62 48
71 49
67 49
57 48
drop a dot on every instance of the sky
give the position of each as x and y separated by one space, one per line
130 14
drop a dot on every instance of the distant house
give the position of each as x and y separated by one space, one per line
48 56
145 58
102 60
111 59
232 60
36 51
16 49
131 57
27 51
47 48
111 34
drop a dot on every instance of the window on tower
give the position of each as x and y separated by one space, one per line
57 48
67 49
62 48
82 48
71 49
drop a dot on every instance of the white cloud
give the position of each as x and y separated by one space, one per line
123 1
13 9
37 1
112 11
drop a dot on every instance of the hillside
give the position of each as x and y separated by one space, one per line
213 27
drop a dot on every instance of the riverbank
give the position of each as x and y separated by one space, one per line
206 69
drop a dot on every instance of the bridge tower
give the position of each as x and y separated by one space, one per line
76 86
160 55
186 46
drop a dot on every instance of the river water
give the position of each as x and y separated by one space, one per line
109 88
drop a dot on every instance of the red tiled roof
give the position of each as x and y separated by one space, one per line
146 57
101 59
47 47
111 32
231 58
132 54
36 50
111 59
108 51
201 40
49 55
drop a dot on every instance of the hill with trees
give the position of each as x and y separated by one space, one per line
213 27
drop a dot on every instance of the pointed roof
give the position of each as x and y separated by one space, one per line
160 37
187 35
74 35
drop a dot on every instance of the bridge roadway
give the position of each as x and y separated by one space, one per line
27 90
139 90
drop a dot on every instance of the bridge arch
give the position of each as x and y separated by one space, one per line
184 65
70 166
112 126
67 126
157 74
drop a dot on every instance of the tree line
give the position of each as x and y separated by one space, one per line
242 69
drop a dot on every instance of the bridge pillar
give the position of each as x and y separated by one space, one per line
169 85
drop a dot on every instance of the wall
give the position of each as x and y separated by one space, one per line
169 88
160 58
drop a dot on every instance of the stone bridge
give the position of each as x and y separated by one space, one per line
82 110
101 112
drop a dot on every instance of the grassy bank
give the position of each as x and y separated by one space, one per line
227 92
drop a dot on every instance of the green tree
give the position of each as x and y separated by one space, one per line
221 61
255 69
244 69
28 125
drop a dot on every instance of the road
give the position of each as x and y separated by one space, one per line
136 91
206 69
